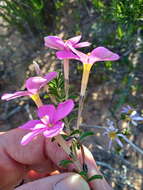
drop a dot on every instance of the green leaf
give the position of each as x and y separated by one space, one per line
83 174
86 134
65 163
75 132
65 137
95 177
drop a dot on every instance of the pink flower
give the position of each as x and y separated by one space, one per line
98 54
33 85
49 124
57 43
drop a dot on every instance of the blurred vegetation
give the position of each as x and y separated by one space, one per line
32 16
115 24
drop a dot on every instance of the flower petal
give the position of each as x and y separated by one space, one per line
30 124
63 110
110 144
82 44
134 123
37 69
50 76
137 118
39 126
33 84
29 136
54 42
103 54
46 110
15 95
119 142
74 40
65 54
55 130
81 56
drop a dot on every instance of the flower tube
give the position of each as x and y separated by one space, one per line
97 54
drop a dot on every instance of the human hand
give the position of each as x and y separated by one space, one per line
40 158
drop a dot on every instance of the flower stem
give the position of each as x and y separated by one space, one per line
132 144
66 77
80 108
84 82
66 148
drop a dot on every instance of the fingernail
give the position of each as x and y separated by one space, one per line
73 182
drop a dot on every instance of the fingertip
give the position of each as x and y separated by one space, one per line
74 181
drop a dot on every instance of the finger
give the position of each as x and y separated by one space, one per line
64 181
96 184
40 154
17 160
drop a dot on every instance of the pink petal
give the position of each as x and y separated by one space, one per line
28 137
54 42
103 54
33 84
74 40
81 56
39 126
65 54
45 119
55 130
15 95
37 69
30 124
82 44
63 110
46 110
50 76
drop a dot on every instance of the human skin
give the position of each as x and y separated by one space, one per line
39 160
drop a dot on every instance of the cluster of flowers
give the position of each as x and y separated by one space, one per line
50 123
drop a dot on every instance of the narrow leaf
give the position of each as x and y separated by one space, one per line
86 134
65 163
95 177
75 132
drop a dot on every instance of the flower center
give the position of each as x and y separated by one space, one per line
112 135
88 54
50 125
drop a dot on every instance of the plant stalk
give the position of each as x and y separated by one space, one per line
66 77
63 144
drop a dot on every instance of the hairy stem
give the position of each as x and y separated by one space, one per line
66 77
80 108
66 148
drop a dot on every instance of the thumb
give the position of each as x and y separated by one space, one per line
70 181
